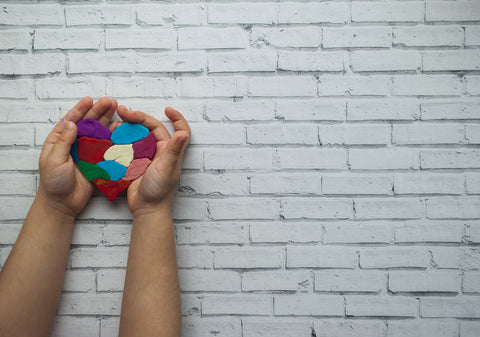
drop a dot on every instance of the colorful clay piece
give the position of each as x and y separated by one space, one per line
74 151
145 148
114 169
92 171
93 129
122 154
128 133
137 168
111 188
92 150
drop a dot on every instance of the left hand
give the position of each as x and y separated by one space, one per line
62 184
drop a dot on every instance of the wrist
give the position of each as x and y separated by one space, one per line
53 208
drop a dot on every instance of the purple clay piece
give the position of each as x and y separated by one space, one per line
93 129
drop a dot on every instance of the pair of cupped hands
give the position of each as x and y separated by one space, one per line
64 187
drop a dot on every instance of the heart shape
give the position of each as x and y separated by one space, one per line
112 160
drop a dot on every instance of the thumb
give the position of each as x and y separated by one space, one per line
174 148
61 148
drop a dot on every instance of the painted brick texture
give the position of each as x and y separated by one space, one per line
332 186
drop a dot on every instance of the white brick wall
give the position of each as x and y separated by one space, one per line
332 185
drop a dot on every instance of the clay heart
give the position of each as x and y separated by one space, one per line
112 160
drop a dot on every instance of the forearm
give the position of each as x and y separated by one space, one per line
32 277
151 299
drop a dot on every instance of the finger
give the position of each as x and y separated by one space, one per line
174 150
114 125
154 125
179 122
99 108
77 113
61 149
107 116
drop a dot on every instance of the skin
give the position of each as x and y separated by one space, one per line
32 277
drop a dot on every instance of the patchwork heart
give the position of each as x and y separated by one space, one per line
112 160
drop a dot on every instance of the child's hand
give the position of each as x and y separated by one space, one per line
154 191
62 185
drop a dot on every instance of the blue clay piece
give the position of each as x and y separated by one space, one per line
128 133
114 169
74 151
93 129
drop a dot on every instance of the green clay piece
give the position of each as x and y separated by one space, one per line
92 171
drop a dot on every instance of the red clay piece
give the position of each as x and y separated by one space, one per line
137 168
91 150
145 148
111 188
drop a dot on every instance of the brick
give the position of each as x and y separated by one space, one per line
212 38
194 257
446 110
99 257
100 208
393 257
414 183
146 38
188 209
357 37
472 232
110 280
109 62
297 37
455 258
90 303
67 39
99 15
383 109
213 86
83 326
109 326
356 184
468 328
246 13
211 233
14 208
391 60
354 134
452 11
311 109
282 134
208 280
87 234
383 159
349 328
116 235
451 60
350 281
378 232
444 208
286 232
472 36
286 183
273 328
424 231
450 307
420 281
79 280
471 282
141 87
330 12
20 160
221 327
240 110
246 159
237 305
324 208
248 258
309 305
472 183
16 88
422 133
15 40
334 85
70 87
225 184
289 86
393 208
31 64
243 208
9 233
249 60
472 84
426 85
450 159
424 327
311 61
276 281
171 14
321 257
24 15
312 158
16 134
411 11
171 62
368 305
217 134
428 36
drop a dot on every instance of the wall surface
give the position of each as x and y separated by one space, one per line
332 187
